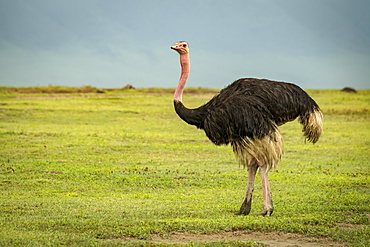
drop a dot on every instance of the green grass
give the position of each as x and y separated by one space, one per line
97 168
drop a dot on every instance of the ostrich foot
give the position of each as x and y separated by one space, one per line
244 209
266 212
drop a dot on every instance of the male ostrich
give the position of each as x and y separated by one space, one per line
247 114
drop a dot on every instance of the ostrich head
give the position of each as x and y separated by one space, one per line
181 47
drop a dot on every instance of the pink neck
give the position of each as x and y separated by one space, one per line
185 70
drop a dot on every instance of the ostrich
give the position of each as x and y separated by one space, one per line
247 114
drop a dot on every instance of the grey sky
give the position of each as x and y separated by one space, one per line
315 44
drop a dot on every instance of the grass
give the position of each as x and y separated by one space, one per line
114 167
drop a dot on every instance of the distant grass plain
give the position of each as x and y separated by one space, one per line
107 167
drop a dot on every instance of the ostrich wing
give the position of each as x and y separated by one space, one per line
236 117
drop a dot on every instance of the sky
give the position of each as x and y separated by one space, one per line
316 44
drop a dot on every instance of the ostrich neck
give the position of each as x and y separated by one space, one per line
185 70
191 116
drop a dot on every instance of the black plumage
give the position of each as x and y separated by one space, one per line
249 107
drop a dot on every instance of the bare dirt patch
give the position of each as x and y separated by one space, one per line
273 239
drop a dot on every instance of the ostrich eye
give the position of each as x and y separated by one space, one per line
184 45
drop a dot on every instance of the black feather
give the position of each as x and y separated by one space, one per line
249 107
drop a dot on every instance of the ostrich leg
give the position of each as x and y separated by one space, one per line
247 203
267 197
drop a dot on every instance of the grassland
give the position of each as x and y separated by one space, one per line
117 167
